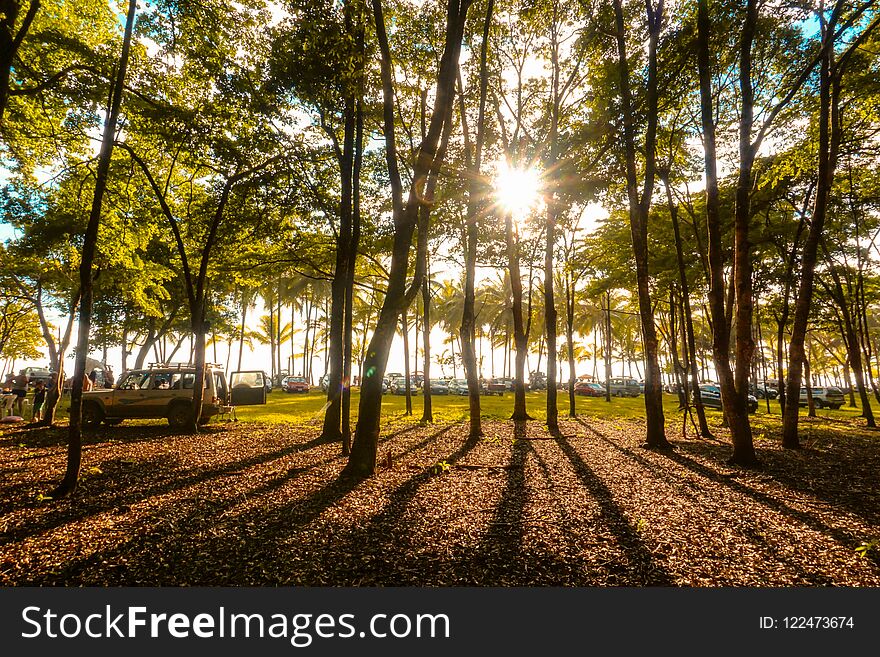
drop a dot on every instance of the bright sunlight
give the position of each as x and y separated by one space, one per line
518 191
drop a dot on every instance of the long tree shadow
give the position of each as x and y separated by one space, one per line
693 495
638 564
154 556
33 436
845 538
844 477
500 554
159 472
224 545
383 546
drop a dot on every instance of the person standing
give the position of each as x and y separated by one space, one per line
39 400
19 389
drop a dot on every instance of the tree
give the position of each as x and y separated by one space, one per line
640 203
86 274
416 211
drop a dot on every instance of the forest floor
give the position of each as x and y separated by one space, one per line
252 504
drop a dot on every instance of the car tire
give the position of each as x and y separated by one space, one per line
834 407
92 415
113 422
179 415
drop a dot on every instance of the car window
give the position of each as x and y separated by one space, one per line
135 381
248 379
184 380
160 381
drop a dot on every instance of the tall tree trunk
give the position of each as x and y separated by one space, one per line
86 275
332 431
686 310
475 205
808 384
427 408
569 336
348 329
305 361
550 320
428 158
829 140
848 382
608 346
741 431
57 352
244 305
404 329
271 331
735 411
854 353
519 335
639 206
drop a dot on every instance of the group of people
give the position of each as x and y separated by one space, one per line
15 390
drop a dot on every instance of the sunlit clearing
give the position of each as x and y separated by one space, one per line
518 191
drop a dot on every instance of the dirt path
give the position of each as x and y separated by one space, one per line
253 505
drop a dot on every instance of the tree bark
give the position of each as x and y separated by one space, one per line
639 206
735 411
519 335
829 140
474 209
686 310
427 408
332 430
429 157
348 329
86 274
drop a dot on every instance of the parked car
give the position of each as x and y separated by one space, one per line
295 384
35 374
589 389
324 382
494 387
439 387
761 391
162 391
458 387
831 397
624 387
710 395
398 386
389 380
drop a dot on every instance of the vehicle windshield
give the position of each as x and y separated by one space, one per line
134 381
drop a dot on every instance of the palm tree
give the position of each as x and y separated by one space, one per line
497 299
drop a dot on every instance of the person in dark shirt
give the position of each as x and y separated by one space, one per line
39 400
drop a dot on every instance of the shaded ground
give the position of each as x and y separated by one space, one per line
262 505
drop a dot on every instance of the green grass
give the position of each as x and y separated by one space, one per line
308 409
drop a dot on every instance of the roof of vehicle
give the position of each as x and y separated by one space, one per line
164 368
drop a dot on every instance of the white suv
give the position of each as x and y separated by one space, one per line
165 391
831 397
